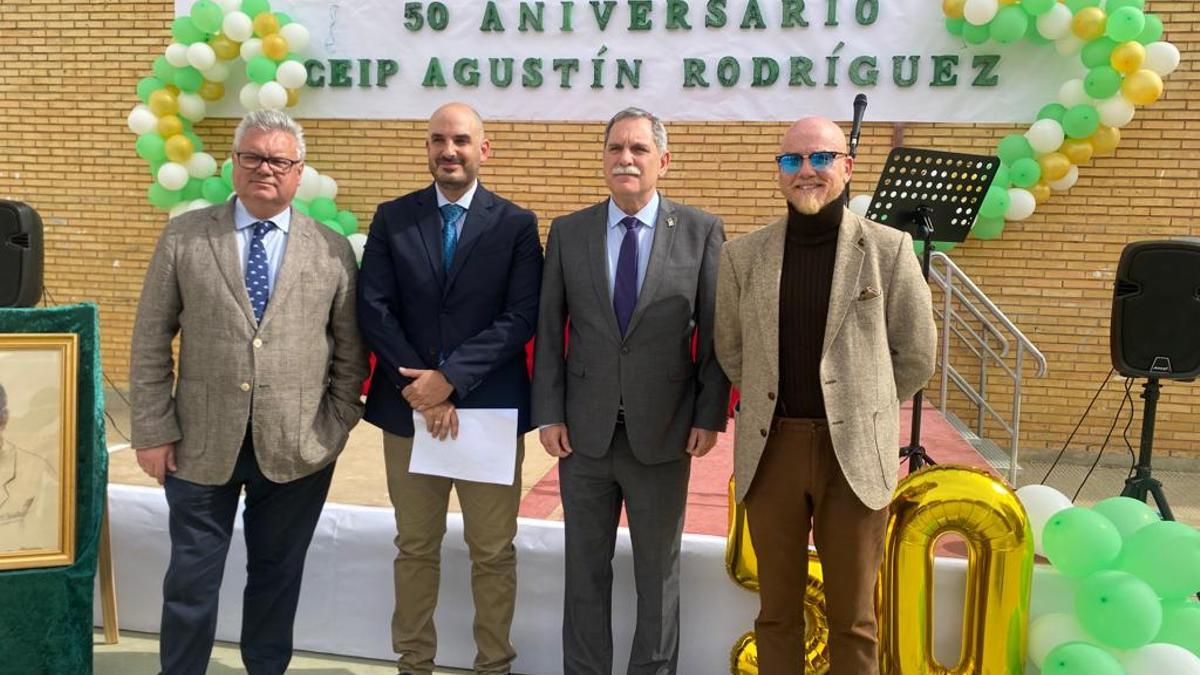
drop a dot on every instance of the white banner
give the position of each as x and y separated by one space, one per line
771 60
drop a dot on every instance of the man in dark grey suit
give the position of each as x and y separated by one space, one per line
634 393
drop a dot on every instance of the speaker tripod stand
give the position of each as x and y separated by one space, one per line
1142 484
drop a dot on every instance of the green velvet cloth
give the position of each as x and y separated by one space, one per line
46 614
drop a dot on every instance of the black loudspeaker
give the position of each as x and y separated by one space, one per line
20 255
1155 328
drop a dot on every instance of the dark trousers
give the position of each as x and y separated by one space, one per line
654 497
798 482
279 520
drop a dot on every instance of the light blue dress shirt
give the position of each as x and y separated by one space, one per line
645 234
275 241
463 201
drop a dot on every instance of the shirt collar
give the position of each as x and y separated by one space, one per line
648 215
463 201
242 218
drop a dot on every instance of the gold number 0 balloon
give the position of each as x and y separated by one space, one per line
981 508
742 566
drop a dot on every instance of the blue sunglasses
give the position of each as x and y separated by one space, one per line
820 161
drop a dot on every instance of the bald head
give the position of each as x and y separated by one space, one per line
456 147
807 189
457 111
811 132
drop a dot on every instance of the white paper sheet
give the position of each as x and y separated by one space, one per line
485 450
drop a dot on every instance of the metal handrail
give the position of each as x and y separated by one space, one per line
991 345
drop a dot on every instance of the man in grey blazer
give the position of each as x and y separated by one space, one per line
263 397
824 323
633 394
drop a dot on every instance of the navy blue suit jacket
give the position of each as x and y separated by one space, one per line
477 318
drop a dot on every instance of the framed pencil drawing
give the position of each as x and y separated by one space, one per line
37 449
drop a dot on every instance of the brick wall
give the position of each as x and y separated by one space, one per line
67 81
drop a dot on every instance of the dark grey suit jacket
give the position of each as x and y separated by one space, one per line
651 370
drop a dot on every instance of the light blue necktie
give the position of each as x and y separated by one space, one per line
451 214
258 270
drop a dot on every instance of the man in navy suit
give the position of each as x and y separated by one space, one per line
448 297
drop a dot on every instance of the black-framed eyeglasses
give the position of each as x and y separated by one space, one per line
251 162
820 161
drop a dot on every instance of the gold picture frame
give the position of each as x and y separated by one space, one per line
37 449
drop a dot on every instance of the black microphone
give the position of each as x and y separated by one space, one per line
860 107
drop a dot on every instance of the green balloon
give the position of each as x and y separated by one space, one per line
1081 121
1009 24
261 69
162 198
215 190
155 166
1080 658
188 79
1097 52
1153 31
147 86
1052 111
253 8
186 32
1013 147
348 221
1181 625
193 189
1079 541
207 16
1075 5
1125 24
283 19
1025 172
163 69
300 206
1118 609
322 209
1037 7
1102 82
995 203
227 173
1002 178
1165 555
1127 514
1032 34
987 228
1113 5
976 35
955 26
151 147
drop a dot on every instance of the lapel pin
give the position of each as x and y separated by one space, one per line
671 221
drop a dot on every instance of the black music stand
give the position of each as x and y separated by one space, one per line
934 196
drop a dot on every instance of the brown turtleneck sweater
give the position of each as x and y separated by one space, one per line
808 255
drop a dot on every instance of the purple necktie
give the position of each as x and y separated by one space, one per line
625 290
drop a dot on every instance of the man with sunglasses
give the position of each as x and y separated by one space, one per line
824 323
263 397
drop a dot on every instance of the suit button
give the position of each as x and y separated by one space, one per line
245 386
763 432
770 396
624 350
257 343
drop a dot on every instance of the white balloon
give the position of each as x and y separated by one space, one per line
173 176
228 6
176 54
1116 111
1041 501
218 72
329 187
197 204
860 203
358 241
1051 630
1056 23
1021 204
979 12
201 56
141 120
201 165
237 26
296 36
291 74
310 185
248 96
272 96
1072 93
251 48
1045 136
1068 45
1161 57
191 106
1065 183
1160 659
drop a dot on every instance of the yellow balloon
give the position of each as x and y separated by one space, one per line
1077 150
740 561
1127 57
1104 140
1040 191
1054 165
179 148
1142 87
163 102
743 658
169 125
274 47
212 91
988 515
1089 23
173 89
293 97
265 24
223 47
953 8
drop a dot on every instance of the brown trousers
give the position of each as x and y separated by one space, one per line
799 482
489 524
